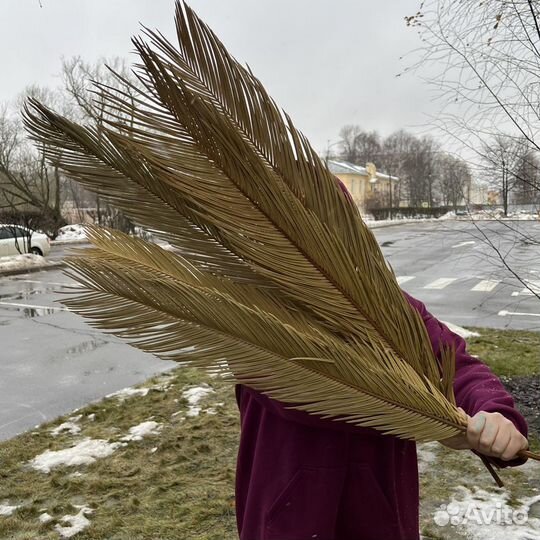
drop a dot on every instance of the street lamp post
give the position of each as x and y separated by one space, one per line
328 146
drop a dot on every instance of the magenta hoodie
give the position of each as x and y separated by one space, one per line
301 477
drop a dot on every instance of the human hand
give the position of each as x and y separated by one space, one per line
490 434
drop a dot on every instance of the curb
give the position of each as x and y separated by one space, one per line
31 269
374 225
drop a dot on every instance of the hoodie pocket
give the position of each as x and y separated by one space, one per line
365 512
306 509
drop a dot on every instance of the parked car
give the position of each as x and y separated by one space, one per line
15 239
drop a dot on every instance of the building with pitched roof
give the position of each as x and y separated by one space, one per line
365 184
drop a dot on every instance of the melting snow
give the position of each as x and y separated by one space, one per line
20 262
83 453
136 433
126 393
194 395
70 426
7 510
77 523
426 455
163 384
45 518
71 233
461 332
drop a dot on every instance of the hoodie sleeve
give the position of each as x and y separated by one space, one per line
476 387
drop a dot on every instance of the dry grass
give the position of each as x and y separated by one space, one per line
184 489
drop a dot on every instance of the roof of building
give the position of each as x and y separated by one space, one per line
344 167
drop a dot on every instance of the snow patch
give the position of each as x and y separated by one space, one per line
162 385
71 233
77 523
7 509
460 331
70 426
138 432
21 262
427 455
83 453
194 395
45 518
129 392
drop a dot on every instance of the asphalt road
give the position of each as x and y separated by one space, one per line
452 269
53 362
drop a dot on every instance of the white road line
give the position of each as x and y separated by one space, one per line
487 285
403 279
469 243
440 283
49 283
504 313
533 288
16 304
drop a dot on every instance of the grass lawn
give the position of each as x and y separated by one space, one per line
176 480
509 353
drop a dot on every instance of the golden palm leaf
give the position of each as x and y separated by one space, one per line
170 308
276 280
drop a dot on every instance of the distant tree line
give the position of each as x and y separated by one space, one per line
431 177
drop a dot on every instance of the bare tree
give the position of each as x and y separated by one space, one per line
482 59
413 160
503 157
30 189
89 104
348 135
527 188
454 179
484 62
359 146
396 149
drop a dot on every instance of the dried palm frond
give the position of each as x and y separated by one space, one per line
275 280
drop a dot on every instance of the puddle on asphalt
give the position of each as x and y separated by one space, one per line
24 295
30 313
85 347
387 243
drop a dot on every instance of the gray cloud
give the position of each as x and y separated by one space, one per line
328 64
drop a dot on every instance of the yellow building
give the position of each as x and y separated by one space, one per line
365 184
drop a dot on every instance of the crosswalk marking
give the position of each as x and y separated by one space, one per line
533 288
440 283
504 313
486 285
403 279
461 244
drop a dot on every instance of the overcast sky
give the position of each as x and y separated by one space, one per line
327 64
